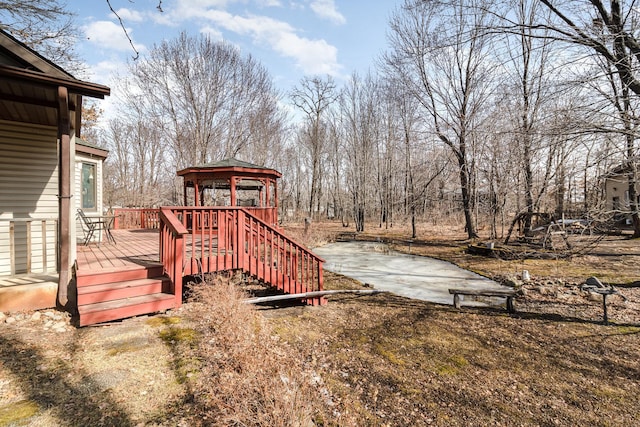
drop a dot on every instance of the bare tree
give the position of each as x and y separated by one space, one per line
136 169
314 97
530 75
439 52
359 110
211 101
608 31
44 25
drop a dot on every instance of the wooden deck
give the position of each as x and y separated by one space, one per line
122 279
133 248
128 277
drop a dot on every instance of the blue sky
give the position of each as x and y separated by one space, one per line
292 38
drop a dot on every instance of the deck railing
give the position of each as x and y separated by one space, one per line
136 218
28 246
231 238
267 215
147 218
172 243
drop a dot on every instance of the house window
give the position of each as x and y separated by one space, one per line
89 186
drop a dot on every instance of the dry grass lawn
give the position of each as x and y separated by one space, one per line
378 360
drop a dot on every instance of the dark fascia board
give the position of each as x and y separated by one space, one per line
79 87
92 151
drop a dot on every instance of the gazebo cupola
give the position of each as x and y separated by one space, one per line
232 182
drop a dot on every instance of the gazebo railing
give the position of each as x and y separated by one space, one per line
147 218
267 215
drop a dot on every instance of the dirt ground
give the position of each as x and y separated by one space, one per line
378 360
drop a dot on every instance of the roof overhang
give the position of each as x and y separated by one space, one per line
78 87
93 152
32 97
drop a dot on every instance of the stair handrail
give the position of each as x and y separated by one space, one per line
284 236
250 215
298 247
172 234
310 275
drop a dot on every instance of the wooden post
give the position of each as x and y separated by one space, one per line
275 202
232 190
64 194
510 306
184 191
456 300
267 193
43 227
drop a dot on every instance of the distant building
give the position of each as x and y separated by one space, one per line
616 190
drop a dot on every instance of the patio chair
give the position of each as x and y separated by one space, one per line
92 224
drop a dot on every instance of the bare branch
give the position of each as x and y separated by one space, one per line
124 29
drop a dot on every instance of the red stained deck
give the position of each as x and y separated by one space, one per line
120 280
133 248
129 278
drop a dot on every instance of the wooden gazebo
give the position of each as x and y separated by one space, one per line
232 182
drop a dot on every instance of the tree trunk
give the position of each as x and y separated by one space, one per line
467 202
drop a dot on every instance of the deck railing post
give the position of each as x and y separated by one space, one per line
172 248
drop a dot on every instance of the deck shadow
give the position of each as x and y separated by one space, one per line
49 388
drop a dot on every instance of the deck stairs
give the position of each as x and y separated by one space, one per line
109 295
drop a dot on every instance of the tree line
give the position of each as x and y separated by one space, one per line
476 112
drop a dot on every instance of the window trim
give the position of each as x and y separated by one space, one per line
94 166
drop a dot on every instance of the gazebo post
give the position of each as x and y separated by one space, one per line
196 195
232 182
263 194
184 192
275 202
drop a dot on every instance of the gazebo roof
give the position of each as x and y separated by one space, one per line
231 165
231 162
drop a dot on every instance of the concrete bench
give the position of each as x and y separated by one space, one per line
509 294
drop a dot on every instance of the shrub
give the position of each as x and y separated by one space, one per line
246 376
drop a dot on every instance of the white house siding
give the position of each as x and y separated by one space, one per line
28 197
617 193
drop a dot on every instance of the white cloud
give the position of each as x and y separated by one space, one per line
213 33
312 56
269 3
130 15
108 72
110 36
327 9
